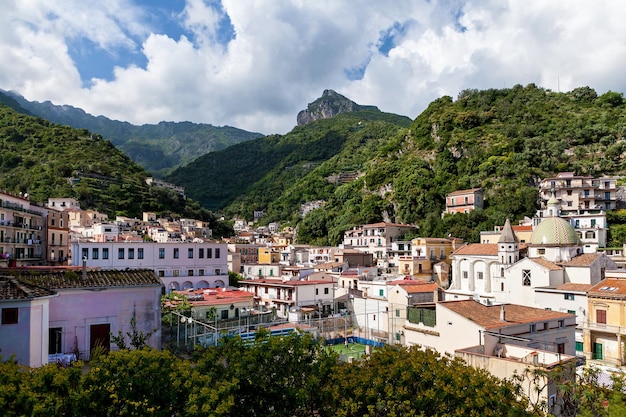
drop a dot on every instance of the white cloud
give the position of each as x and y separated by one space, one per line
285 53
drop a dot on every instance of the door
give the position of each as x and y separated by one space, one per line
597 351
100 335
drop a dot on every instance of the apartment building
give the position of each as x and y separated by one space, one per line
22 232
178 265
580 192
464 201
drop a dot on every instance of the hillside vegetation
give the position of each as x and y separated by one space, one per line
159 148
503 140
39 158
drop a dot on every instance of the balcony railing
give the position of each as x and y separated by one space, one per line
607 328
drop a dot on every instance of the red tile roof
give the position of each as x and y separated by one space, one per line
609 287
478 249
546 263
488 317
586 259
569 286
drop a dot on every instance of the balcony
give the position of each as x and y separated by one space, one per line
605 328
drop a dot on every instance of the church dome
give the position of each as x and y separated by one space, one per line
554 231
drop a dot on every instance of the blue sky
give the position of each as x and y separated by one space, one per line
255 64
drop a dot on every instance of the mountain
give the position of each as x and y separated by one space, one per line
367 166
254 173
47 160
158 148
329 105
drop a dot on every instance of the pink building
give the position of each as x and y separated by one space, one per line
464 201
62 314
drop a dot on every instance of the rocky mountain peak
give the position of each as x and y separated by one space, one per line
329 105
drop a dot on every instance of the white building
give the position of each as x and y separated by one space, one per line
178 265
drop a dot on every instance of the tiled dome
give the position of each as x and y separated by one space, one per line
554 231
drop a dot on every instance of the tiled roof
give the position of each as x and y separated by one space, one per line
478 249
609 287
489 316
586 259
65 279
419 288
12 289
570 286
461 192
546 263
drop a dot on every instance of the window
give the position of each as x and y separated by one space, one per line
571 312
94 253
209 252
381 292
54 340
140 253
533 328
601 316
161 274
317 291
590 235
175 272
266 290
175 253
502 286
190 253
561 323
120 253
190 273
568 296
131 253
560 347
526 277
201 272
201 253
9 315
326 290
217 252
542 251
161 253
397 312
105 253
85 253
464 274
580 347
224 314
479 275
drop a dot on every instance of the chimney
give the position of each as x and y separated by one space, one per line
502 313
84 269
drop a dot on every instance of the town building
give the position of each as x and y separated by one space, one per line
22 232
63 314
464 201
178 265
604 334
307 296
376 239
580 192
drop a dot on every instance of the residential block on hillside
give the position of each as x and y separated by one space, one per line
580 192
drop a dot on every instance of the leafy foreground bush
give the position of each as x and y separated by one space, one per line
290 376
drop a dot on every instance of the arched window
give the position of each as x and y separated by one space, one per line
502 273
502 286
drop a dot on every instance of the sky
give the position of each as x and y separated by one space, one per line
254 64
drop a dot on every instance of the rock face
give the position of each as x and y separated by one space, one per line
329 105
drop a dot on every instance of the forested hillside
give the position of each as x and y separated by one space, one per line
503 140
47 160
159 148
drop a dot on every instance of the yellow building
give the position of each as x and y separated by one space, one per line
268 255
426 253
604 333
